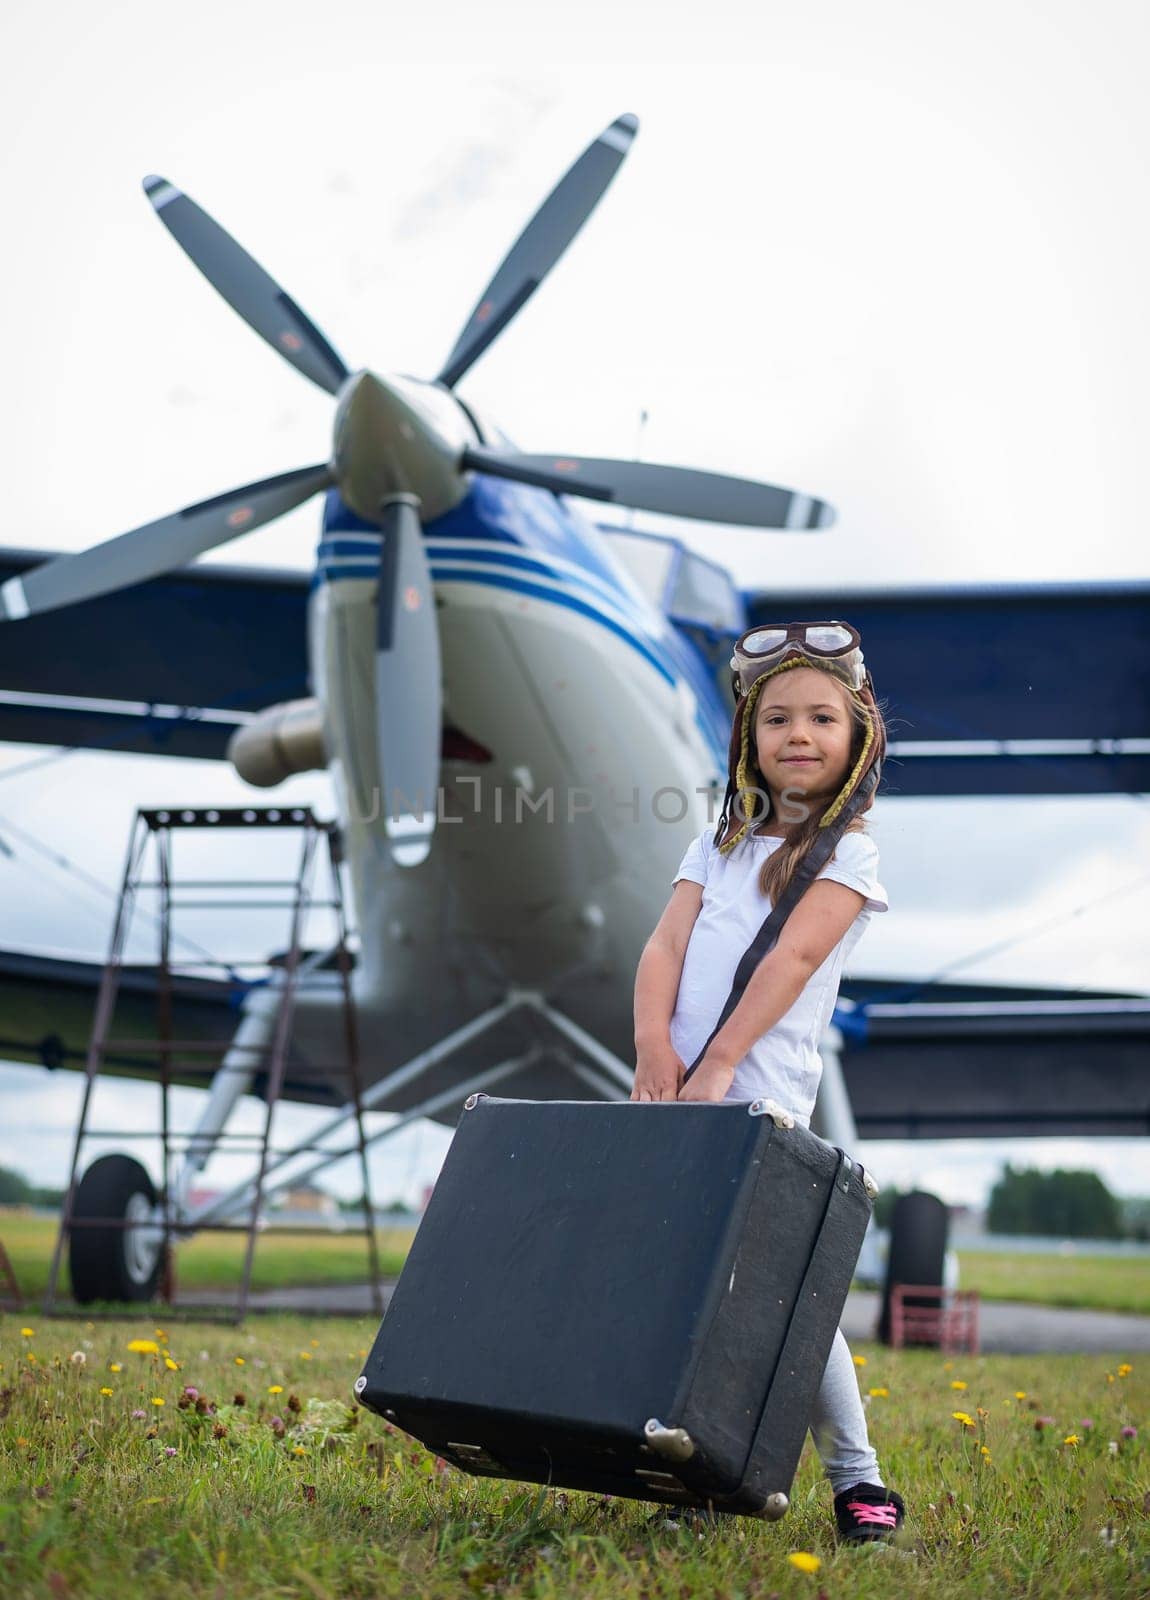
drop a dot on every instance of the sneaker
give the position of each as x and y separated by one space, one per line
868 1512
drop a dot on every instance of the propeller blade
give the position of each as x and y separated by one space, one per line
674 491
158 547
246 287
540 245
408 694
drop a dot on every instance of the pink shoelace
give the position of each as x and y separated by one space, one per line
885 1516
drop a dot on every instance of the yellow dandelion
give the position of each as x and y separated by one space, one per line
240 1362
1020 1394
1109 1377
948 1366
144 1347
156 1400
114 1366
161 1335
961 1416
27 1333
859 1361
984 1452
276 1388
21 1443
957 1383
804 1560
305 1355
172 1366
106 1390
1125 1370
298 1450
32 1359
1071 1438
883 1394
857 1358
315 1344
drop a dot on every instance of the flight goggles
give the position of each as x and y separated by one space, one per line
834 647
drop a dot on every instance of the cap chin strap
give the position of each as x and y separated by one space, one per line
743 784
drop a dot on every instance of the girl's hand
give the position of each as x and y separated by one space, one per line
658 1074
709 1082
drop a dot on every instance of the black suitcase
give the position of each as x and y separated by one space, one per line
632 1299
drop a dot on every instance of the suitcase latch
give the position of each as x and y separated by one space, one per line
475 1458
665 1481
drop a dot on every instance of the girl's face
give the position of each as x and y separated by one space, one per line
803 740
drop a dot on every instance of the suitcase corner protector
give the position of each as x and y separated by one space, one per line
675 1444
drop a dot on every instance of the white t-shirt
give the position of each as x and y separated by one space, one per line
784 1064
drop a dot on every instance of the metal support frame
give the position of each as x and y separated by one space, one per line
261 1040
604 1072
833 1118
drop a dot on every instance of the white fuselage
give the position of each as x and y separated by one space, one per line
552 860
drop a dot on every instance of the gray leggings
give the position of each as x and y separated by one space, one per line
838 1425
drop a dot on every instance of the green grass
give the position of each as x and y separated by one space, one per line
97 1501
215 1261
1099 1283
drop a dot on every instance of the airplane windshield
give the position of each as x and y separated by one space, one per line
647 558
703 595
686 587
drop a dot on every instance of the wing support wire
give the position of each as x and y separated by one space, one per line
259 1048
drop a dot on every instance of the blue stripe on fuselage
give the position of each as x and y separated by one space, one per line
534 524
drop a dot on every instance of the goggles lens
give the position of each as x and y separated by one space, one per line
823 638
829 638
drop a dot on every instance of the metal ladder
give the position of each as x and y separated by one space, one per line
150 851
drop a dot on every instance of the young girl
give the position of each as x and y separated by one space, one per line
806 749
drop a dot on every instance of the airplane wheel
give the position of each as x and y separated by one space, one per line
917 1252
115 1263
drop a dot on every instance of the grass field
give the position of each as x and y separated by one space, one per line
213 1261
1100 1283
273 1486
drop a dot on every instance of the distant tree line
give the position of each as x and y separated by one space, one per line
15 1190
1059 1205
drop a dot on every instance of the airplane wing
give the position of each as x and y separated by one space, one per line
46 1011
1037 688
169 667
921 1062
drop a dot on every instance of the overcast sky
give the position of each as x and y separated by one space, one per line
893 255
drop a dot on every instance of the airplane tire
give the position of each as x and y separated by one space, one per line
114 1263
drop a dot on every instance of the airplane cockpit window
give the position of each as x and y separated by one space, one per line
703 596
647 558
692 591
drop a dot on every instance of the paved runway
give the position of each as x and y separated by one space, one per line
1007 1327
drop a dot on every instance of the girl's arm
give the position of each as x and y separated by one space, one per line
809 934
658 1070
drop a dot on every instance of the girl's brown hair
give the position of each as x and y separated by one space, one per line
747 803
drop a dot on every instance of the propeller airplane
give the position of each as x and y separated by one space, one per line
525 714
